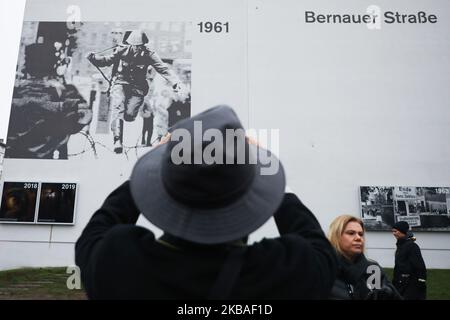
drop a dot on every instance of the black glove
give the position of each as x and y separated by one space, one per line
422 285
91 56
385 293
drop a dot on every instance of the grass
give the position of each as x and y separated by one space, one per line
50 284
37 284
438 283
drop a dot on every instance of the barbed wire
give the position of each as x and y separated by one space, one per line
93 143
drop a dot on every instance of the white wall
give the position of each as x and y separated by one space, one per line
353 106
219 76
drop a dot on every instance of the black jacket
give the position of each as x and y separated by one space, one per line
410 272
352 281
119 260
408 260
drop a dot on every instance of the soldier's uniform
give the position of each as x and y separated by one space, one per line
130 62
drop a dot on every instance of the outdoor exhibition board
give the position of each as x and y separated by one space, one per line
351 95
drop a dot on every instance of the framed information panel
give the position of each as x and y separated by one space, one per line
57 203
424 208
19 200
38 202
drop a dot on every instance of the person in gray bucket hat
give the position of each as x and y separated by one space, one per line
207 202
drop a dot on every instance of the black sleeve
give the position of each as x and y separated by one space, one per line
293 217
388 287
316 256
118 209
162 68
417 263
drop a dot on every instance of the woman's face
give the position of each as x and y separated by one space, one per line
352 240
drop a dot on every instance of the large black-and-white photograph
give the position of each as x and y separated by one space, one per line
18 203
377 207
2 156
98 89
424 208
57 203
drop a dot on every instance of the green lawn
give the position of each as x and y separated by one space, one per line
37 283
50 283
438 283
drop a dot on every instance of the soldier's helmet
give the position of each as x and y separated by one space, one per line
136 38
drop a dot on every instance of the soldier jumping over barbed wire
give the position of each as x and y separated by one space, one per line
130 60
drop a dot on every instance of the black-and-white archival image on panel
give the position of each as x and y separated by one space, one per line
377 207
19 202
424 208
97 90
57 203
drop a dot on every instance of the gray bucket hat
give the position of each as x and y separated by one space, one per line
206 203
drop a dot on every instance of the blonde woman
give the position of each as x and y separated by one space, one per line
358 278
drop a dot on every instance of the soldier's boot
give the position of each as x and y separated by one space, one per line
118 135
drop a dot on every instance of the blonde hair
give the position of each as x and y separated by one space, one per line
337 228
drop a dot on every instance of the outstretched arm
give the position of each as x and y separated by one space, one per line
104 60
118 209
308 250
163 69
